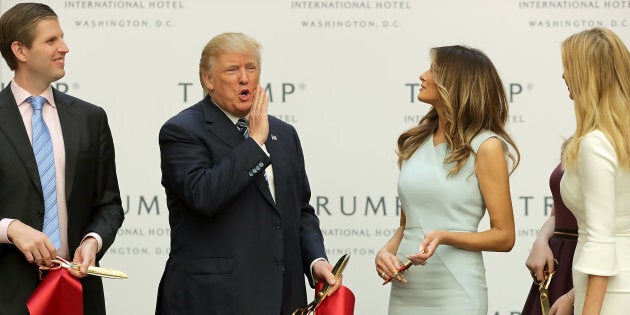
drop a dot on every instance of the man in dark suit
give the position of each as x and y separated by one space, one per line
243 234
86 204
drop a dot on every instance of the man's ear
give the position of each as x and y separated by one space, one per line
208 82
18 51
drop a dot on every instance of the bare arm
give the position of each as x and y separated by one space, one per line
595 291
540 258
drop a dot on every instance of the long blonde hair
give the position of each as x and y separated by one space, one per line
473 100
597 71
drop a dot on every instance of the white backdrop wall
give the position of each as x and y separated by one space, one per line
345 74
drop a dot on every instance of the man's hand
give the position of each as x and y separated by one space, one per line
322 271
34 244
85 255
258 120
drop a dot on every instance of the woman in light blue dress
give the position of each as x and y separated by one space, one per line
454 165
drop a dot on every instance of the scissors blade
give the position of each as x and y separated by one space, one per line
340 265
544 302
336 271
106 273
544 294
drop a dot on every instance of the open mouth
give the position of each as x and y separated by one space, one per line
244 95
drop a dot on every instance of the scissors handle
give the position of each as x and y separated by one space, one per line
326 288
308 309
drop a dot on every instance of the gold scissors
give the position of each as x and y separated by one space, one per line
59 262
325 291
543 291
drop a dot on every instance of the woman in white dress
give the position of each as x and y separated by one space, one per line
596 181
453 166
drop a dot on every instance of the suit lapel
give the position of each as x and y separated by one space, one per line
70 129
219 124
12 125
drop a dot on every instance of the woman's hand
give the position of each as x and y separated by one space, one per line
563 305
427 248
540 261
387 265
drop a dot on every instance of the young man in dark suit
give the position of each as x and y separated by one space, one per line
58 196
243 235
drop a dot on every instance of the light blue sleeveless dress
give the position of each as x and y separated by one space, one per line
453 281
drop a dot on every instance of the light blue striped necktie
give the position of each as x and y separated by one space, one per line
242 126
42 147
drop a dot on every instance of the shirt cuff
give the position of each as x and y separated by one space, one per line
591 259
4 230
98 239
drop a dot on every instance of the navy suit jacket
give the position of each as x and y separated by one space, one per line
233 249
93 198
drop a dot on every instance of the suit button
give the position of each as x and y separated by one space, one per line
40 213
254 171
261 164
279 262
277 225
251 174
257 167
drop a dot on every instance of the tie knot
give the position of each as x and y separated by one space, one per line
241 124
37 102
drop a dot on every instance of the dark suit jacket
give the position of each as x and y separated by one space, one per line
233 249
93 198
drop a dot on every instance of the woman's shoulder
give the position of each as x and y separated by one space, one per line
595 137
482 137
595 143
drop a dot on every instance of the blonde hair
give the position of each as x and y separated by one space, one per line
473 99
226 42
597 71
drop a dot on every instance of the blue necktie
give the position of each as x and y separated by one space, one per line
42 147
241 124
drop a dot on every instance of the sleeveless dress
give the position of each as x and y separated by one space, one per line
562 245
453 280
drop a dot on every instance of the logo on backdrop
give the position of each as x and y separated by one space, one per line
578 14
343 206
343 14
329 209
155 14
279 93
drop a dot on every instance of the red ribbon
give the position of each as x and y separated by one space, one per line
59 293
339 303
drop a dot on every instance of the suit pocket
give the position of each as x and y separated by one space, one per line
209 265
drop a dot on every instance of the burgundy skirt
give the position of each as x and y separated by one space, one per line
562 246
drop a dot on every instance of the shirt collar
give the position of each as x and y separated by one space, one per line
21 94
233 118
